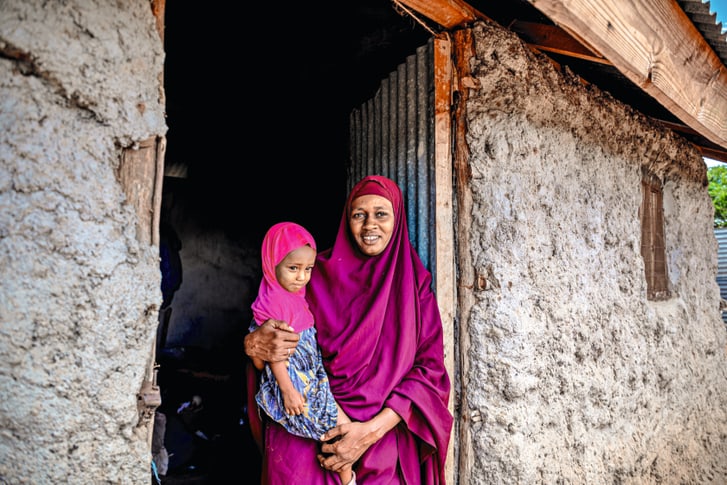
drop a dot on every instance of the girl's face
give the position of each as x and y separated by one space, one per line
371 223
294 271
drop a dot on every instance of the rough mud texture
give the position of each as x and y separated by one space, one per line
573 376
79 81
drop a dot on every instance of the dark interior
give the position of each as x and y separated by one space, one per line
258 102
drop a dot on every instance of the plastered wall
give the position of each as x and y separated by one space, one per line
80 82
569 373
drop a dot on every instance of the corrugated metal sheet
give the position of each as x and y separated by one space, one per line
392 134
721 235
706 22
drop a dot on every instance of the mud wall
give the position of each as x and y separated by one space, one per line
570 374
80 82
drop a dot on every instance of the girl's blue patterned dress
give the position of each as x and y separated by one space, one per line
305 368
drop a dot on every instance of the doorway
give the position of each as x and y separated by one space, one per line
284 156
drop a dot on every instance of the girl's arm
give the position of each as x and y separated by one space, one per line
293 400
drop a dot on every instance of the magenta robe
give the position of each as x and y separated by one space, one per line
381 336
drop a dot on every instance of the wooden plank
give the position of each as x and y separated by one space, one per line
444 213
655 45
550 38
156 205
463 49
137 174
711 151
447 13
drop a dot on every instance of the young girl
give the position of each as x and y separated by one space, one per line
296 394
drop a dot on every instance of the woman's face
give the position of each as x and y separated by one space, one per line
372 223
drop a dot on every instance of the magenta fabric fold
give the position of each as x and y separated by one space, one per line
380 333
274 301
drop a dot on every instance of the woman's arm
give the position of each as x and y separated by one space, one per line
273 341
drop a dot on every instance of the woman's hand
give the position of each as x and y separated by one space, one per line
273 341
354 439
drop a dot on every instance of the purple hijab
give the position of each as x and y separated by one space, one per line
380 333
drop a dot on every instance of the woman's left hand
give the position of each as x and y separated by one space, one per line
354 439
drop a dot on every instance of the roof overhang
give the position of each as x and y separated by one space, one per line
652 43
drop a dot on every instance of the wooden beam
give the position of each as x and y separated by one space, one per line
446 276
651 42
655 45
447 13
710 151
550 38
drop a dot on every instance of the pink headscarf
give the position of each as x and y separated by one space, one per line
380 333
274 301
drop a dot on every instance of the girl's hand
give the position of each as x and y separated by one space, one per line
294 402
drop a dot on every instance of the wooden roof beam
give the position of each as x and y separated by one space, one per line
654 44
447 13
549 38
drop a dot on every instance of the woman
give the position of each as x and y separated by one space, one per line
380 334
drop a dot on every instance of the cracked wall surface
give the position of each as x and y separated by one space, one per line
79 83
570 374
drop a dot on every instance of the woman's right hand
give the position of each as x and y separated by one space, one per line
273 341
